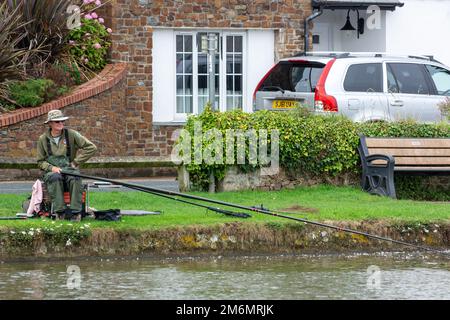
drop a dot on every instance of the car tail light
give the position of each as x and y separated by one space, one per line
323 101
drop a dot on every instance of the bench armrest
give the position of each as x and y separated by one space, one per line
373 157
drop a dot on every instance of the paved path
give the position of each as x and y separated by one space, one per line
167 183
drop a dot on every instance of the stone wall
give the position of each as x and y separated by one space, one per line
407 187
235 180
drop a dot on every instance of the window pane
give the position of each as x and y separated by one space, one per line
203 85
180 104
217 64
304 78
237 44
441 79
410 78
217 85
187 43
238 64
202 63
187 84
180 43
286 76
230 88
179 63
230 44
180 89
391 82
188 104
315 75
238 102
366 77
188 63
237 85
229 63
202 101
230 103
300 79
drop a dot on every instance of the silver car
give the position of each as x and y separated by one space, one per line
361 86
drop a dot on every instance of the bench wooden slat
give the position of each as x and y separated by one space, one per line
431 169
411 152
407 143
421 161
418 161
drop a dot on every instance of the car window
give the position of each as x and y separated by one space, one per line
293 77
392 82
410 78
441 79
365 77
304 79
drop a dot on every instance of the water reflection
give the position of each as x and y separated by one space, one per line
401 276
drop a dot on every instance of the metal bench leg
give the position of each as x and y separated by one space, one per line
379 181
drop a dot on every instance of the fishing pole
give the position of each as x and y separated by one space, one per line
13 218
215 209
254 209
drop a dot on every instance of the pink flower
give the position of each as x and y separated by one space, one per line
98 3
109 30
87 16
94 15
97 46
86 60
101 20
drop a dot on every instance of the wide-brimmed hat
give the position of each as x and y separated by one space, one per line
55 115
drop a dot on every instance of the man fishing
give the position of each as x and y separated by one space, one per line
63 149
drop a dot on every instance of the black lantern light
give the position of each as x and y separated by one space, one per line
348 26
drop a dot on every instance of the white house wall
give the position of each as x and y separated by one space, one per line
258 61
420 27
371 41
163 66
261 57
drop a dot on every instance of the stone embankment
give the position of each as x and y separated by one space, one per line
79 241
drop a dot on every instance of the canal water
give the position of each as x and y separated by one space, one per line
376 276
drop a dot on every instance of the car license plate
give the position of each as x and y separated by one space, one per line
284 104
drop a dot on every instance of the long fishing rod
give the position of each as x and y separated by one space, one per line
253 209
215 209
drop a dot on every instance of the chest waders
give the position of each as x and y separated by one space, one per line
57 183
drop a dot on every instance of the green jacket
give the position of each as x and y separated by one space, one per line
77 143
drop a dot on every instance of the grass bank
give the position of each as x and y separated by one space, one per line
315 203
183 229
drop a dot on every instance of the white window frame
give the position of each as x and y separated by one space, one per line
223 104
222 69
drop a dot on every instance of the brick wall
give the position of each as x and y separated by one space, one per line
133 22
95 109
98 114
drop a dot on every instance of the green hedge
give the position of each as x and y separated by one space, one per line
317 145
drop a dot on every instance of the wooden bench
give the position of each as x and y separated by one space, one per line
381 157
